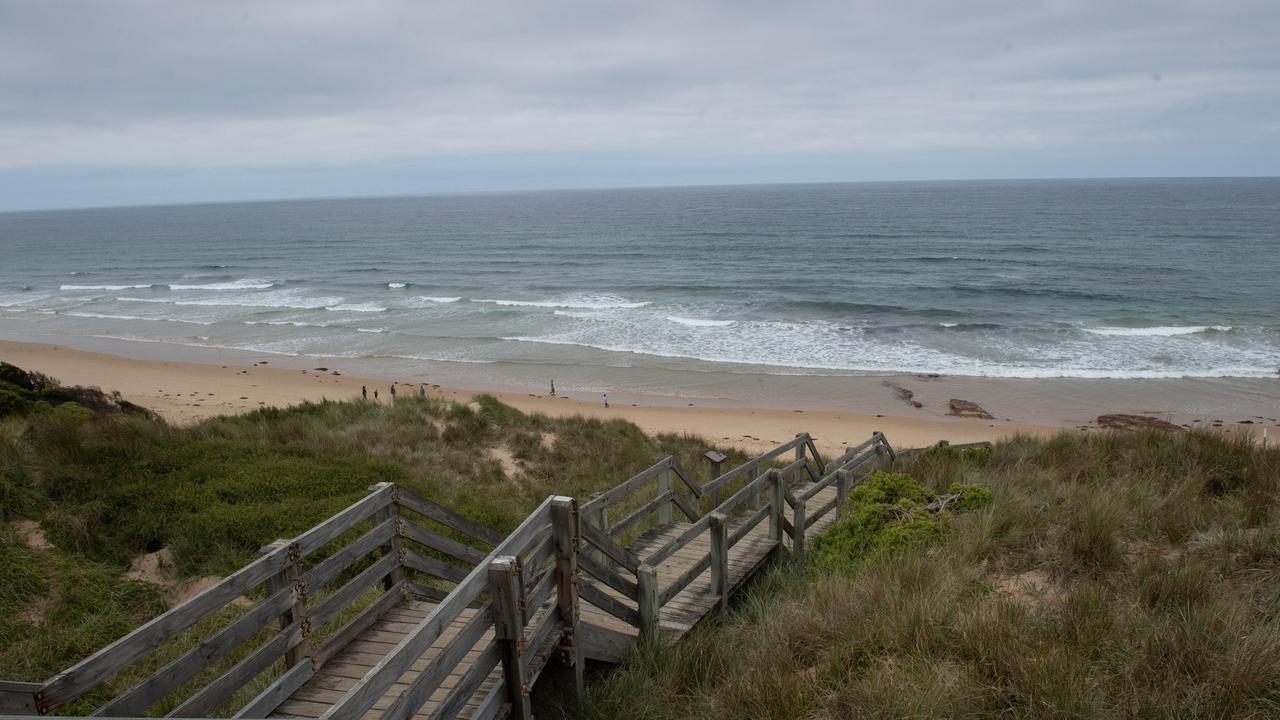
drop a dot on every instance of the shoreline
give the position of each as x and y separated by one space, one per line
186 392
187 384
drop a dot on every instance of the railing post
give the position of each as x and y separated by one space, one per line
777 506
842 488
715 460
797 529
392 547
719 558
504 589
564 524
647 577
599 518
288 577
882 459
664 484
800 451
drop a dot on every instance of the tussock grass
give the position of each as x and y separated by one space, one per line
1109 576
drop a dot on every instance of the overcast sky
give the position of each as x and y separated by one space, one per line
119 102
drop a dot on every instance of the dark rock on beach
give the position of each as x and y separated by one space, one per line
968 408
1136 422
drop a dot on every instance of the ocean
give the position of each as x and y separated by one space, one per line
1157 278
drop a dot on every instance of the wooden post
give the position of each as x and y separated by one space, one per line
882 459
288 578
647 575
797 526
599 518
800 452
719 558
715 460
564 528
664 484
842 488
393 546
504 589
777 504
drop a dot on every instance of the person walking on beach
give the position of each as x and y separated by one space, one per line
393 392
375 396
364 393
422 390
553 388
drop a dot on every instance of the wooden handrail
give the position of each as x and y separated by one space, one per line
754 463
73 682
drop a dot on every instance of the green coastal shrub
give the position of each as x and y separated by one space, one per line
886 513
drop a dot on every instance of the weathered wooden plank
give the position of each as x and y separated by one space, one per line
799 523
432 566
662 500
230 682
358 624
564 525
719 559
361 697
423 536
753 464
268 700
352 589
819 513
602 542
18 698
488 708
508 630
749 524
76 680
427 592
647 598
540 590
329 568
150 691
607 576
686 577
627 486
609 604
470 682
684 538
685 477
448 518
427 680
690 510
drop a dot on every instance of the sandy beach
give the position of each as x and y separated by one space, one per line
182 391
215 383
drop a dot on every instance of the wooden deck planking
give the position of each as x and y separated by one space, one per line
351 664
696 601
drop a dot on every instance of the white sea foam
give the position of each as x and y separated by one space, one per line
1165 331
108 316
428 298
699 322
396 286
371 330
248 284
104 287
356 307
585 302
948 325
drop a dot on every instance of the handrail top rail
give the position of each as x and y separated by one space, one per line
755 462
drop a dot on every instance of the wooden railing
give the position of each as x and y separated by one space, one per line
307 582
531 606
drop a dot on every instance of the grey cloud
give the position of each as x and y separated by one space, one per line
273 84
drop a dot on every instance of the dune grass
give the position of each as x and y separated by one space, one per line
107 485
1108 576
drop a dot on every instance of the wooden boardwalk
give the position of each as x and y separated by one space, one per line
609 638
398 608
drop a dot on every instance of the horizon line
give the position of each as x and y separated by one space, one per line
609 188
